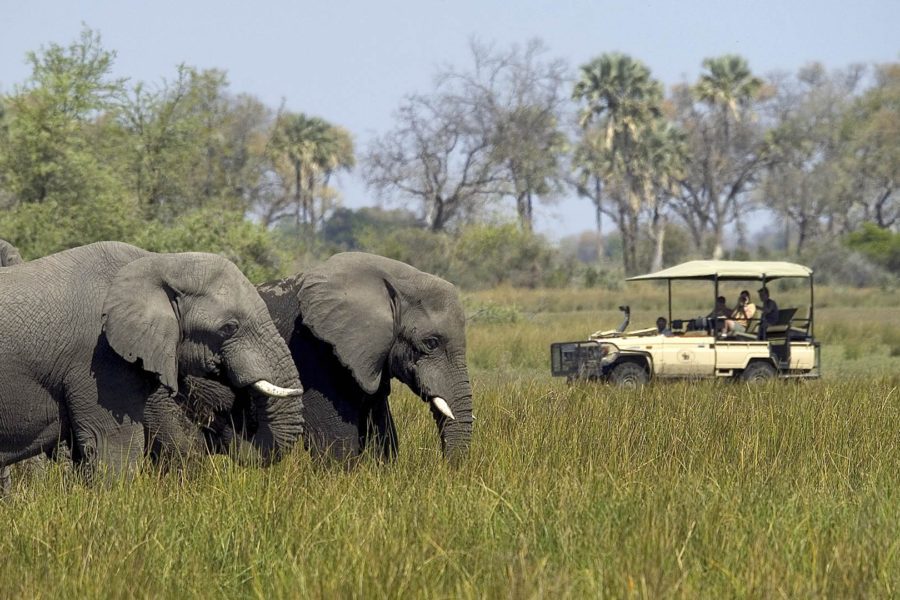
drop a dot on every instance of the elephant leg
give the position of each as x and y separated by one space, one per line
107 430
380 431
331 427
5 481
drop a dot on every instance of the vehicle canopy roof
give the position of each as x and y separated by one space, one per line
725 270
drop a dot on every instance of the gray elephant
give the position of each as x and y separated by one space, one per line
9 256
94 338
352 324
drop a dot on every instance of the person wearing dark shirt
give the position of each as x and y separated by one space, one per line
768 312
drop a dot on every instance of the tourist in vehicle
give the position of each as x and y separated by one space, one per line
769 312
721 309
740 317
661 326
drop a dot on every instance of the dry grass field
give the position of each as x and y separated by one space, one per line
684 489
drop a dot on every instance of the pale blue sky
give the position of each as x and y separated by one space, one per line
351 62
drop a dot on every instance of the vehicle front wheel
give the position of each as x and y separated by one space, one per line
758 371
628 374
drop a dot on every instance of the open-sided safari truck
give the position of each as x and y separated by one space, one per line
698 347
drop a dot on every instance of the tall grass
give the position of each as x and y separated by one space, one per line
686 489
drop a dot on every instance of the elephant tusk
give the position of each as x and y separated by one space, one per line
442 406
270 389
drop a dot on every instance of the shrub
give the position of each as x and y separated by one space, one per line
485 256
879 245
837 264
248 245
40 229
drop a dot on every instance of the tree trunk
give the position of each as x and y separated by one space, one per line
524 208
719 232
598 207
658 228
435 217
297 198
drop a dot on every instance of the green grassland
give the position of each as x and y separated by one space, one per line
684 489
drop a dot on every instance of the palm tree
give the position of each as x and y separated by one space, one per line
727 85
314 149
621 96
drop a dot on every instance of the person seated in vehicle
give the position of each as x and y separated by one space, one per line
769 312
740 317
661 327
721 309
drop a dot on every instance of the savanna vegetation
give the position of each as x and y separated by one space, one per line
692 489
672 173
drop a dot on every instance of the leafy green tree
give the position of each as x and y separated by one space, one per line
871 129
486 256
58 153
621 105
190 143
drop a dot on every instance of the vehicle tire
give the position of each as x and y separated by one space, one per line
758 371
629 374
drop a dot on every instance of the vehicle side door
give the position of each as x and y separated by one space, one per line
688 356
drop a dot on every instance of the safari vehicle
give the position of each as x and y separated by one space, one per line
698 347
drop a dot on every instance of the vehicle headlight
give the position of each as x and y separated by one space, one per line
608 352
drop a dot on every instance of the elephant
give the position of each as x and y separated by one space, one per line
9 256
93 341
352 324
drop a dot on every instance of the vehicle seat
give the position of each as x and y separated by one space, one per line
781 327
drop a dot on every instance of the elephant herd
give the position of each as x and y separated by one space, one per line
113 353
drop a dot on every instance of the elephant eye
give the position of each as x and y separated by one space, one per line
228 329
431 342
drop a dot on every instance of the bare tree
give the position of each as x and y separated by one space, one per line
518 97
437 156
726 143
484 134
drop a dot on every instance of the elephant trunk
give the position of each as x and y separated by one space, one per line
273 384
279 425
455 431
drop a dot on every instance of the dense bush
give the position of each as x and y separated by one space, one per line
834 263
249 245
477 257
880 245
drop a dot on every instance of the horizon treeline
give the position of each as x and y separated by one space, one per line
188 164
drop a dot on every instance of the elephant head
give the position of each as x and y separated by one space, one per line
384 319
196 314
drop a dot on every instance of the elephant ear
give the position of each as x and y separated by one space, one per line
352 306
139 319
